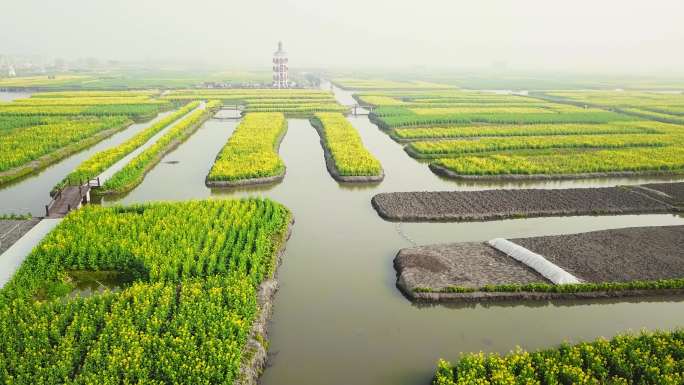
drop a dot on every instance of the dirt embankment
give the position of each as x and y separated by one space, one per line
255 357
470 265
426 273
500 204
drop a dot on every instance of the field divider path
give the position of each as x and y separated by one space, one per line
116 167
133 173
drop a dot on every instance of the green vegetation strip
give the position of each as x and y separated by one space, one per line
424 133
403 120
134 172
101 161
29 149
186 304
344 145
565 288
668 160
21 146
251 153
138 112
648 358
447 148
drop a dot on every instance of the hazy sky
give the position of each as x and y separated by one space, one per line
603 35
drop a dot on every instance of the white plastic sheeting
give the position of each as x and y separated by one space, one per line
537 262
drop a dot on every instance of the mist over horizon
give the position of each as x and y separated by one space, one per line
528 35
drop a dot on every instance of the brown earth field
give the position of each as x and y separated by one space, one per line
425 273
518 203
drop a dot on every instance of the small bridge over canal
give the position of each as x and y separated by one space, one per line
70 197
358 109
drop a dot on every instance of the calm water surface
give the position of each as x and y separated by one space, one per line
338 317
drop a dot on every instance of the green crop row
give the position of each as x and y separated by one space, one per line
343 143
648 358
95 94
185 318
662 159
301 108
252 150
508 130
399 119
102 160
8 123
449 148
136 111
23 145
134 172
89 101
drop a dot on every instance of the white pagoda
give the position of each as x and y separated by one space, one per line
280 67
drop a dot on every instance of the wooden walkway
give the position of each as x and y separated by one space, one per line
69 198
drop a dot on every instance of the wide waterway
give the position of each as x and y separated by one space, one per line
338 317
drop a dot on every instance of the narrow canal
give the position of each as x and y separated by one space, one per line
339 318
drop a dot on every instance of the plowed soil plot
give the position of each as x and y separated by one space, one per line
639 253
602 260
471 265
12 230
498 204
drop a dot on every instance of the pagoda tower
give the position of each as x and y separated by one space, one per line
280 67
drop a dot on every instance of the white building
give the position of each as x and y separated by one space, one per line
280 67
11 73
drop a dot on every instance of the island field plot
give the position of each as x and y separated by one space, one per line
485 135
524 203
38 131
635 261
660 106
250 156
345 155
190 282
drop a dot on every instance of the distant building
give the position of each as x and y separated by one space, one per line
280 67
11 73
